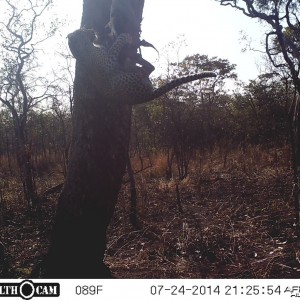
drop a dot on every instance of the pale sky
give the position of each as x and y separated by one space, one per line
209 29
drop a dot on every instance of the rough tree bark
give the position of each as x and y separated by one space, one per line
97 162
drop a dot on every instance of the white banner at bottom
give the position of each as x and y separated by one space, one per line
144 289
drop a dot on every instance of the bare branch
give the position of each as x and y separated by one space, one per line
277 16
229 3
288 19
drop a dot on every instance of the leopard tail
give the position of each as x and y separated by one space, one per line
179 81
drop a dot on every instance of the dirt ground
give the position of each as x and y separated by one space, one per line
231 227
235 223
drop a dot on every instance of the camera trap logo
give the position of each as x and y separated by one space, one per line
28 289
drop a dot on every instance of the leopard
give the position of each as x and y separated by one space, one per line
114 80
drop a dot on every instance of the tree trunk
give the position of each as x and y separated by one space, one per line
25 164
8 149
133 195
97 162
294 125
100 141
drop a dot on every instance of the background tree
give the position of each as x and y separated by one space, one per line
187 119
282 46
7 143
20 88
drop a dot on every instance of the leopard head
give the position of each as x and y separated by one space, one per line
78 40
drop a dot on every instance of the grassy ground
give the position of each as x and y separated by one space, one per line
237 222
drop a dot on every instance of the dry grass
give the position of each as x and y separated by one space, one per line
237 221
219 235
